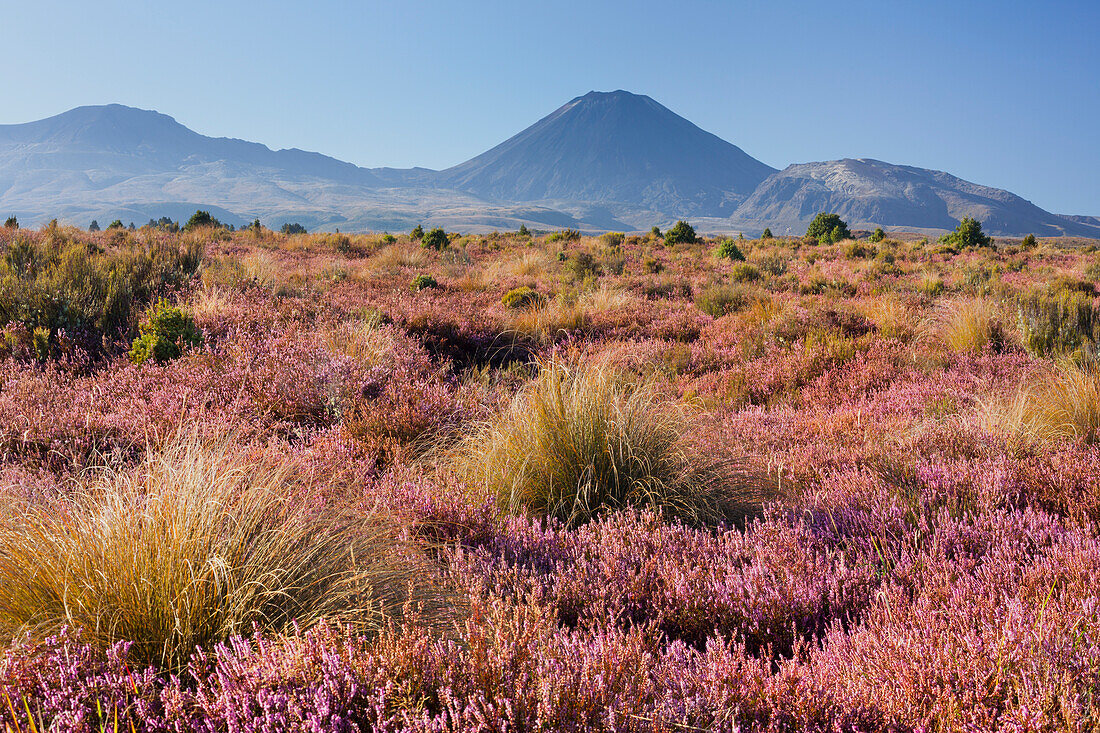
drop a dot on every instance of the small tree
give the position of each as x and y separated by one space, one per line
294 228
878 235
681 232
201 219
11 223
655 231
729 250
435 239
828 228
767 234
417 233
523 231
1029 242
116 224
94 226
967 234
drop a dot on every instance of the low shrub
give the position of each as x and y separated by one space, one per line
967 234
435 239
878 235
775 264
718 300
424 282
581 264
612 239
565 235
63 285
1058 321
828 228
743 272
165 333
523 297
580 440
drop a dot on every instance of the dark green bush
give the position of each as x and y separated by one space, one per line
582 264
11 223
828 228
165 333
1058 321
294 228
198 220
422 282
523 297
767 234
728 249
680 233
565 235
417 233
1029 242
878 235
967 234
435 239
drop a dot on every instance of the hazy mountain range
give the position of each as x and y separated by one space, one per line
611 160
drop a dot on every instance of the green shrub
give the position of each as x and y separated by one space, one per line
199 219
165 333
565 235
655 231
858 251
387 239
523 297
680 233
743 272
417 233
1058 321
11 223
523 231
613 239
91 294
117 224
878 235
967 234
1029 242
581 265
422 282
728 249
294 228
435 239
828 228
767 234
652 265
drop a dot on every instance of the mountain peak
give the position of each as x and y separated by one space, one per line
607 147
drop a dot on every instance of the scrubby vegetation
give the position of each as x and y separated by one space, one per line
255 481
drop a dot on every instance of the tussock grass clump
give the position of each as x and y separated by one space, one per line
969 326
1061 403
581 439
195 545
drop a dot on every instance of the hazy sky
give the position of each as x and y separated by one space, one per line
1000 92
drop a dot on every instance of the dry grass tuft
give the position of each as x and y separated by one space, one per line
969 325
195 545
1062 403
580 439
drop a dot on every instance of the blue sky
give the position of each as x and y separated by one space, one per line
1001 93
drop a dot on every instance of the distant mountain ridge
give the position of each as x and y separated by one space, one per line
604 160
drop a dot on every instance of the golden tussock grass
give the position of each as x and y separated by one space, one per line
1062 402
968 325
581 439
197 544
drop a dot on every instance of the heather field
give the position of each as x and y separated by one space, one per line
322 482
